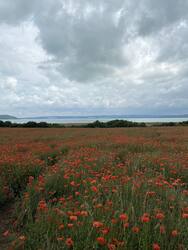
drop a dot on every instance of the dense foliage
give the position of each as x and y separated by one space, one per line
115 124
96 124
30 124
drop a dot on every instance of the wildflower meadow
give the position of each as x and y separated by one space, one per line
94 188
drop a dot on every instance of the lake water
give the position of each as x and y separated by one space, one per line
102 119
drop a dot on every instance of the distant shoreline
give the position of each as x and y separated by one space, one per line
95 117
102 119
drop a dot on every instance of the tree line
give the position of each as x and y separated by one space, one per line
96 124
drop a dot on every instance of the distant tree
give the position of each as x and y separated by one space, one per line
30 124
43 125
8 124
2 124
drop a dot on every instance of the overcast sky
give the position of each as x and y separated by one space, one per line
69 57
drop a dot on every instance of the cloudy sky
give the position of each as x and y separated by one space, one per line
69 57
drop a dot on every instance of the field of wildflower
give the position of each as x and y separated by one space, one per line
78 188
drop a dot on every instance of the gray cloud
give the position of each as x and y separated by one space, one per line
13 12
156 15
86 41
112 56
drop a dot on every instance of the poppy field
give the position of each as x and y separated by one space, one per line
92 188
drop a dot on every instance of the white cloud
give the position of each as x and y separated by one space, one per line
11 83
